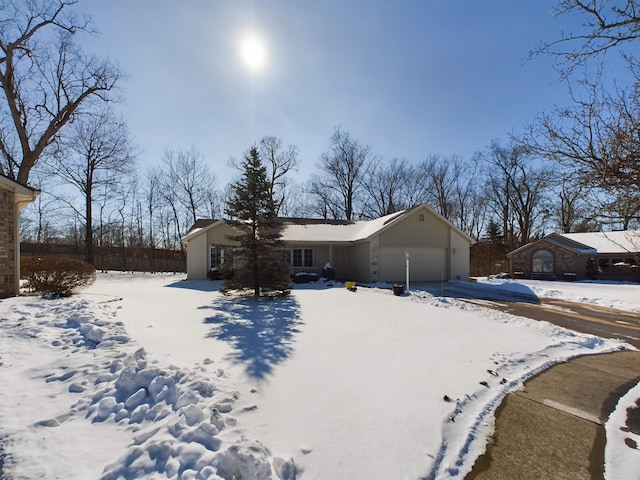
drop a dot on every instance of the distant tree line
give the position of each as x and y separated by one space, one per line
574 168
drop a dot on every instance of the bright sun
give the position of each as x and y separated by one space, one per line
253 52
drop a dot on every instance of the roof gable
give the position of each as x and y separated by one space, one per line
558 240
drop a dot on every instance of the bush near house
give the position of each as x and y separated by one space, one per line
56 276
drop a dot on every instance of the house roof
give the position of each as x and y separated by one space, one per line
23 193
201 225
322 230
625 241
336 232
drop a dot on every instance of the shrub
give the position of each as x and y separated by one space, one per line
56 276
220 274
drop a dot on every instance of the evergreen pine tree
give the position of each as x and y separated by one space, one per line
259 263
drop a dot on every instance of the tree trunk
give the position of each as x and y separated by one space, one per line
90 251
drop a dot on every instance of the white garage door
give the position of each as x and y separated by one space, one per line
425 264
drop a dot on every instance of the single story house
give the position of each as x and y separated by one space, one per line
13 198
362 251
579 256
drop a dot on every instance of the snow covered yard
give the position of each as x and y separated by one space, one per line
152 375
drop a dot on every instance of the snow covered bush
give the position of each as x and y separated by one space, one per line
56 276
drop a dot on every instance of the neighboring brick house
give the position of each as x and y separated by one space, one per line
579 256
13 198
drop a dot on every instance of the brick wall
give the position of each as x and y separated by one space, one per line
7 244
564 260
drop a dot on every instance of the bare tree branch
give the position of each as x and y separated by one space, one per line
45 79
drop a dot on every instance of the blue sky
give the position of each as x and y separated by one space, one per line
407 77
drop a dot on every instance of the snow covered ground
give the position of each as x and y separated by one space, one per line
158 377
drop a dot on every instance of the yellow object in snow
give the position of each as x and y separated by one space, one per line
349 285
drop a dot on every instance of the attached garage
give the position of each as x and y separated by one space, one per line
425 264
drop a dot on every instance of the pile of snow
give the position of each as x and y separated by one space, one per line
622 452
175 380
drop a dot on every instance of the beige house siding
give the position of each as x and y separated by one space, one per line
460 257
412 232
340 260
358 268
197 261
198 249
218 235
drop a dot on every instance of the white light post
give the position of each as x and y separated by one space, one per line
406 256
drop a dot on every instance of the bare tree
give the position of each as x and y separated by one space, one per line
516 189
280 161
44 220
298 202
470 202
344 168
607 25
441 174
596 140
46 80
572 211
385 186
99 151
188 184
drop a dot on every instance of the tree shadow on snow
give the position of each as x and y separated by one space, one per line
261 330
505 291
201 285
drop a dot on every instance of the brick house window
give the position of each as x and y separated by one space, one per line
542 261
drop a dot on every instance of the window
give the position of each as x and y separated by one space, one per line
617 265
603 265
302 257
421 217
542 261
216 257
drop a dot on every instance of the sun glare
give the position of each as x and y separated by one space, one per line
253 52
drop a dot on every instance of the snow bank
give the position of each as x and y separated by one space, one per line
622 451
